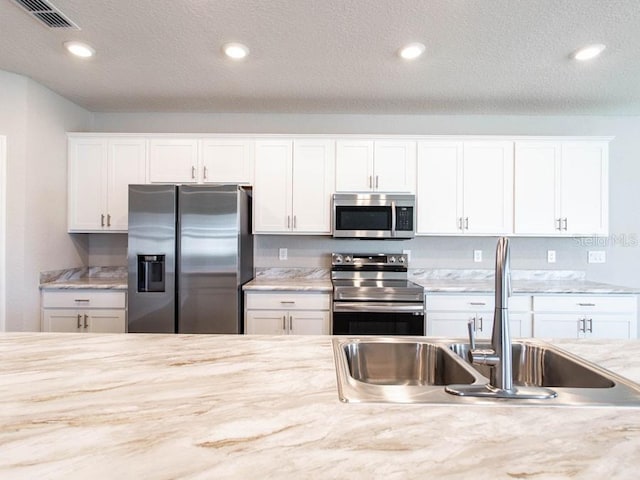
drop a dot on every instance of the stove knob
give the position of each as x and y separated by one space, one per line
347 259
392 259
337 259
402 260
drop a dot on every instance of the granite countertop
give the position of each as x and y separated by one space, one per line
103 278
77 406
297 284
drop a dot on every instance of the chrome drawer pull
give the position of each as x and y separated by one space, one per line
587 304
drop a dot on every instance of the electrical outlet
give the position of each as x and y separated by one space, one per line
477 255
551 256
407 253
282 253
597 256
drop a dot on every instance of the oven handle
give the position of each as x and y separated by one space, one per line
378 307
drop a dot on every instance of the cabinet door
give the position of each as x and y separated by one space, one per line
54 320
438 197
611 326
454 324
551 325
227 161
272 190
537 187
519 325
313 185
309 323
266 322
127 160
106 321
584 187
394 166
173 160
87 207
487 186
354 166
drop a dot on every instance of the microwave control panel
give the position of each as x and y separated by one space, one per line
404 218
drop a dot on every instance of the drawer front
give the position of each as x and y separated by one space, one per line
288 301
459 303
585 303
84 299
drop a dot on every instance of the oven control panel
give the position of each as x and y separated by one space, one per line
367 259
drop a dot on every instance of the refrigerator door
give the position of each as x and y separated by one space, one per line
209 297
151 259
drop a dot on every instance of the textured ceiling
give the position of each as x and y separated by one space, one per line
335 56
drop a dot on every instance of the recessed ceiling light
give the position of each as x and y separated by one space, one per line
235 51
80 49
411 51
588 52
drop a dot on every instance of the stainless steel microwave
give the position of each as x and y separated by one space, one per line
374 215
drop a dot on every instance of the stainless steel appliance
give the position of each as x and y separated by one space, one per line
190 250
372 296
374 215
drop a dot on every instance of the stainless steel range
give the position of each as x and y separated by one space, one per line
372 296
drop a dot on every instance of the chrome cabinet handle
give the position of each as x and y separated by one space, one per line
581 325
86 324
290 323
288 221
193 172
108 220
291 302
102 219
81 300
294 222
79 321
590 323
284 323
459 223
481 325
370 181
477 303
204 172
587 304
377 178
466 223
559 224
564 220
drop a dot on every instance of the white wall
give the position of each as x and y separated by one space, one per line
35 120
623 249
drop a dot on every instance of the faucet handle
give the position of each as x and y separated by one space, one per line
471 326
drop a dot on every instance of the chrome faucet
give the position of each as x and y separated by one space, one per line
499 356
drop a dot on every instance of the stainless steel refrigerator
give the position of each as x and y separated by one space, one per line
190 251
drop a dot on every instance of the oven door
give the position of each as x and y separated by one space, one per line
378 318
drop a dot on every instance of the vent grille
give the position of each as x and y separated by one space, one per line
46 13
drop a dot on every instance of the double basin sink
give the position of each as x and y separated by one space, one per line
410 370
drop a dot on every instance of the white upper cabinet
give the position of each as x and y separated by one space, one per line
227 161
465 187
294 181
561 188
173 160
100 172
375 166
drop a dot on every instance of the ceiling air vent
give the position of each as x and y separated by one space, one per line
46 13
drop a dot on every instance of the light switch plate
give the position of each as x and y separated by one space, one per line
597 256
282 253
477 255
551 256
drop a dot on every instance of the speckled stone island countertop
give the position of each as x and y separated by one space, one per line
90 406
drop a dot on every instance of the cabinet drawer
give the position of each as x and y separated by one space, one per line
288 301
84 299
585 303
475 303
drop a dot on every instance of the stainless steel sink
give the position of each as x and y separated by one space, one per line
417 369
543 366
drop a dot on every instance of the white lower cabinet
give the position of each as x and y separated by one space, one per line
83 311
449 314
287 313
585 316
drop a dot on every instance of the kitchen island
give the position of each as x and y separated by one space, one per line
202 406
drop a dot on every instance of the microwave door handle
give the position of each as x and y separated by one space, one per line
393 219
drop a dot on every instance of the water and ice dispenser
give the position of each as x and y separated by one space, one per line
151 273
